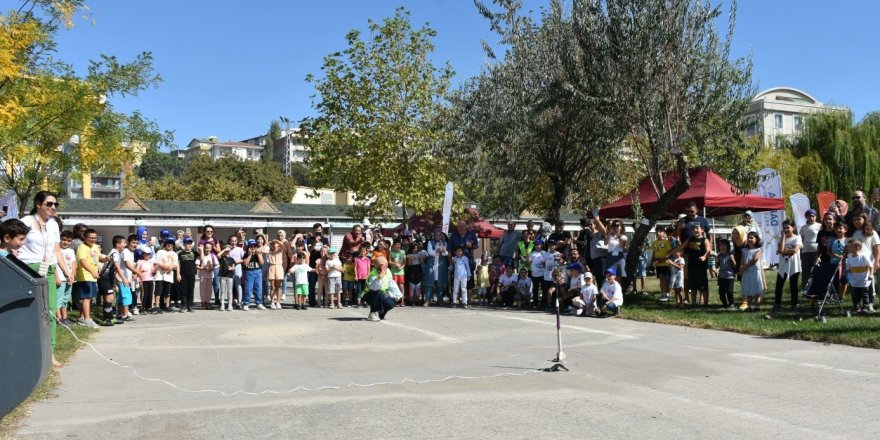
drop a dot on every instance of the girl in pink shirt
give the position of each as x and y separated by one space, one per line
147 269
361 270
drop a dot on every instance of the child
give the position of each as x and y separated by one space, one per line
396 264
496 270
321 283
573 289
349 282
675 262
188 262
147 269
69 259
836 252
536 262
481 278
751 273
726 274
334 279
524 288
206 275
128 257
253 276
859 268
551 262
276 272
585 304
87 257
166 259
642 269
413 273
123 278
300 271
789 265
107 281
361 271
507 286
12 236
660 252
227 274
610 298
381 250
461 275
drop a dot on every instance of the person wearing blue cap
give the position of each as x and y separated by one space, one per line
253 276
810 235
610 297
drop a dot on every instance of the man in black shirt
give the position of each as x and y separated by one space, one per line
562 239
186 274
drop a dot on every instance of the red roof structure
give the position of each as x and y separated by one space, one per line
433 221
707 190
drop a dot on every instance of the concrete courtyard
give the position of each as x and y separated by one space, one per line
322 374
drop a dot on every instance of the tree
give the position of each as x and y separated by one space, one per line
155 165
835 155
677 90
228 179
532 129
379 105
44 103
274 133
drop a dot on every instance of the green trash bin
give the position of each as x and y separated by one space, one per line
25 343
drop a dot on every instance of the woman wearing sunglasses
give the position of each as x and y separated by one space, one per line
42 248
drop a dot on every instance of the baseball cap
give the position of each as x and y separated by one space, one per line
252 242
165 233
611 271
187 240
180 231
147 250
169 241
575 266
551 242
588 275
810 212
541 242
332 250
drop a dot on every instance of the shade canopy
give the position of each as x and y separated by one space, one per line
707 190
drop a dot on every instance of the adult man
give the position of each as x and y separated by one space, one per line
583 239
692 214
315 245
465 239
509 241
562 238
536 232
351 243
859 205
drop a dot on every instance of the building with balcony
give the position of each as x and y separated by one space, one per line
215 149
778 114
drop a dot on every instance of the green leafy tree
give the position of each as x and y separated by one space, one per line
156 164
532 129
274 133
44 103
227 179
379 104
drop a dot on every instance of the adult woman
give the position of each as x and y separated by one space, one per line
697 249
864 232
822 275
615 238
42 249
208 237
381 293
436 268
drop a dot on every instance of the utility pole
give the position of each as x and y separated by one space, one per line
286 146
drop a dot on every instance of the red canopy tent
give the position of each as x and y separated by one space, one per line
707 190
433 221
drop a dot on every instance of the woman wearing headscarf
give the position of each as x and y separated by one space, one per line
381 292
436 268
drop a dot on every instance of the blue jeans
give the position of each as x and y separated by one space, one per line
284 284
217 284
253 281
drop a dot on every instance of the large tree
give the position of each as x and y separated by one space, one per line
274 133
532 130
378 104
677 89
44 103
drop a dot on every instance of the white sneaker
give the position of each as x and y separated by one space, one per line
134 311
283 297
90 323
871 308
260 307
246 308
373 316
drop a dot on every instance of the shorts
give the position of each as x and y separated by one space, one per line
642 269
105 287
399 279
662 271
677 281
334 286
86 289
124 295
301 289
63 297
276 272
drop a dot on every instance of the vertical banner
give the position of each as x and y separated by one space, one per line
770 222
800 203
825 199
447 207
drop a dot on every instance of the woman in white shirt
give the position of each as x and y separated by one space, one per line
789 265
42 249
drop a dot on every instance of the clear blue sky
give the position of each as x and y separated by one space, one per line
231 66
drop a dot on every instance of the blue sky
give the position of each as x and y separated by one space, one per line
231 66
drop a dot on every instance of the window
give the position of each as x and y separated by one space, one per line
777 121
798 122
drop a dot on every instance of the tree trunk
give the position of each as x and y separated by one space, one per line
552 215
650 220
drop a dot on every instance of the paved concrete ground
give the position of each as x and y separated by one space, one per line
627 380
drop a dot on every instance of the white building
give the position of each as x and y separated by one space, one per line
215 150
778 114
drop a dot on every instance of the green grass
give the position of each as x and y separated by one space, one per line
859 331
65 347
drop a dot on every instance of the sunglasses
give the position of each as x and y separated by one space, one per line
51 204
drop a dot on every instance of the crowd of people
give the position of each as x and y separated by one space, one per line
527 269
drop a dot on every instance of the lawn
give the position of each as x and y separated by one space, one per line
859 331
66 346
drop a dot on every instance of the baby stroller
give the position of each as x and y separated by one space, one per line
830 296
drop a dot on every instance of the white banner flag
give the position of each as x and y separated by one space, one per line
770 222
10 205
447 207
800 203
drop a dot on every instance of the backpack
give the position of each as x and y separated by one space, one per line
108 272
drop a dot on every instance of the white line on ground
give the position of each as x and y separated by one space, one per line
565 326
805 364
